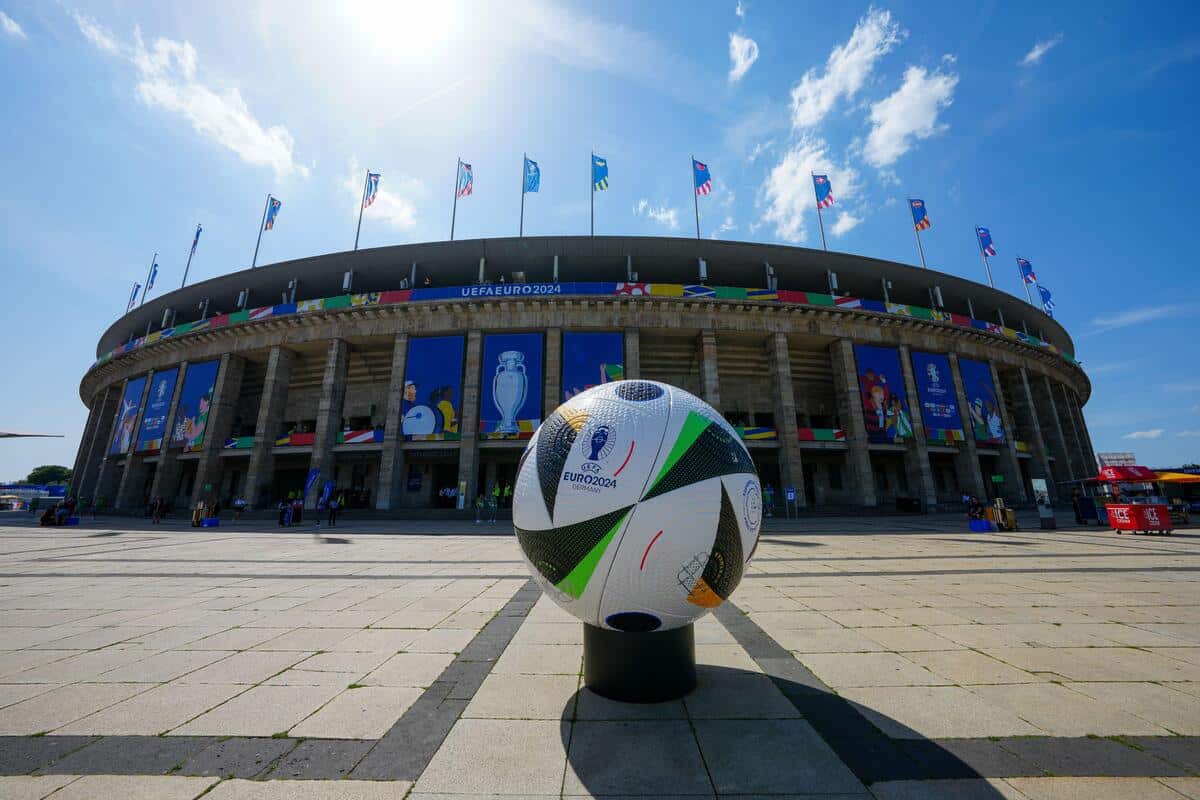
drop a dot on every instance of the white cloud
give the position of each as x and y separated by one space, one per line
167 80
1188 434
725 227
743 52
1034 56
846 222
788 189
908 115
1153 433
660 214
847 69
395 201
10 26
759 149
1136 316
740 9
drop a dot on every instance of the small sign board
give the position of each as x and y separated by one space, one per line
997 478
790 494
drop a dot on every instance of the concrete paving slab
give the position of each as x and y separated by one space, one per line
506 757
155 711
261 711
309 790
540 659
134 787
723 693
591 706
32 787
771 757
958 789
237 757
1061 712
364 713
649 757
1093 789
966 667
912 712
525 697
58 707
249 667
409 669
1176 711
869 669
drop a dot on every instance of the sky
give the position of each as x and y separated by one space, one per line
1066 128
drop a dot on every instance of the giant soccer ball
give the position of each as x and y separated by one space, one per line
637 506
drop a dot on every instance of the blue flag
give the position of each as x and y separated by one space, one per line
599 173
133 296
372 188
702 177
921 219
272 211
985 241
153 275
824 190
1047 300
533 176
1026 270
196 240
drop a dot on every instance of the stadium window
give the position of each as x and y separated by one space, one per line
835 477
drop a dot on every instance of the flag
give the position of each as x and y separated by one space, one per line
196 240
533 176
153 275
985 241
920 218
272 212
824 190
1026 270
372 188
466 179
133 296
703 178
599 173
1047 300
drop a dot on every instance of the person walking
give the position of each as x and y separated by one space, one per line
769 499
156 509
508 495
333 510
479 509
493 504
239 505
1077 506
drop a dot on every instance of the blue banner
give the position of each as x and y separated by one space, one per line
881 387
935 389
981 401
511 290
510 403
126 416
590 359
154 418
195 402
432 388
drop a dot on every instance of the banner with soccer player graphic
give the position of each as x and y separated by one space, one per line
881 387
939 401
195 402
154 417
127 416
591 359
982 402
510 404
432 389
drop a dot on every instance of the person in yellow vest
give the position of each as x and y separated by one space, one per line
508 495
494 502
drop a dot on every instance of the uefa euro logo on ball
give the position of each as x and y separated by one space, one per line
637 507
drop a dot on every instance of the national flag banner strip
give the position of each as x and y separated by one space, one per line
920 217
703 178
153 276
1027 274
820 434
1047 300
372 188
985 241
273 206
133 296
466 179
533 176
599 173
824 190
196 239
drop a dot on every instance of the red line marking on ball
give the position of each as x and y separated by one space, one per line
652 541
628 456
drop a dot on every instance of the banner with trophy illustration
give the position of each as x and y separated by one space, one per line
981 401
590 359
433 389
154 416
195 401
881 388
126 416
939 402
510 405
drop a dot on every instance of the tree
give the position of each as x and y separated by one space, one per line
49 473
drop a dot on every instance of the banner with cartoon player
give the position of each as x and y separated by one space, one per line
432 388
590 359
195 401
126 417
939 402
154 417
510 404
981 400
881 386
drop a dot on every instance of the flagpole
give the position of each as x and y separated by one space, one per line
454 209
524 161
261 223
592 188
1025 283
983 254
191 253
361 205
695 197
920 249
820 219
146 286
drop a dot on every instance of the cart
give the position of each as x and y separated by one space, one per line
1128 499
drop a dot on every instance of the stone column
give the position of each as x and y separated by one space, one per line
220 424
1085 437
85 439
791 465
849 404
261 471
1010 467
1070 432
709 378
135 466
97 441
966 460
1051 423
553 375
1026 409
468 448
391 460
916 459
329 417
168 461
101 485
633 354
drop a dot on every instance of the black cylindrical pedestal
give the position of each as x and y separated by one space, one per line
639 667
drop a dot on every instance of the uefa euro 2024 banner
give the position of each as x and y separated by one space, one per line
881 386
127 416
432 388
981 401
510 405
154 417
591 359
195 402
935 389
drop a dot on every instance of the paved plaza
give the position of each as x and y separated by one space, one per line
896 657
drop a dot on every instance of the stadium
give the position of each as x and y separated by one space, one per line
409 377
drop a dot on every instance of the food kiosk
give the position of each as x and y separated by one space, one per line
1129 499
